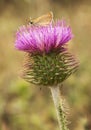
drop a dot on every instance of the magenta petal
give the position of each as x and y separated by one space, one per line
39 39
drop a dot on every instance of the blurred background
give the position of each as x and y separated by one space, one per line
24 106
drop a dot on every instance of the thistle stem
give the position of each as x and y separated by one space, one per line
58 102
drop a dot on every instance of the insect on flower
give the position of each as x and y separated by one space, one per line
43 20
49 62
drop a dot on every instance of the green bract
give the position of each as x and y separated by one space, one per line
49 69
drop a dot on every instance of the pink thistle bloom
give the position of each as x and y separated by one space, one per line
43 39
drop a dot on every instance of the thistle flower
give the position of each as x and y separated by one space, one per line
49 62
43 39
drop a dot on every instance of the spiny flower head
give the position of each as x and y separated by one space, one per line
48 61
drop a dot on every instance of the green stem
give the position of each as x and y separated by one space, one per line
58 102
